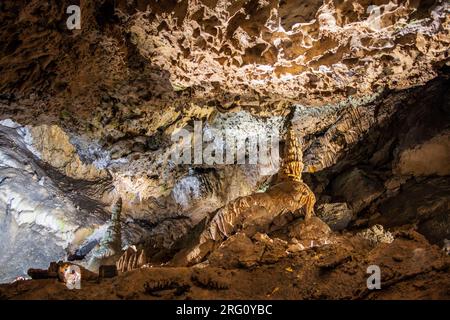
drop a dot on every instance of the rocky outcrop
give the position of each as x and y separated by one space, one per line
336 215
423 203
131 259
260 268
257 212
230 53
38 221
275 48
109 249
309 230
41 218
376 234
89 116
54 147
431 157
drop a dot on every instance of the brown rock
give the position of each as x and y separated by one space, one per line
431 157
107 271
237 251
357 188
312 229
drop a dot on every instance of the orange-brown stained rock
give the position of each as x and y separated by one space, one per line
255 213
335 271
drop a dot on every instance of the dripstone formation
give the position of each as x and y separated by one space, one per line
110 247
256 212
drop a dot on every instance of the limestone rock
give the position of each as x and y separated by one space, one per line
292 166
395 182
424 203
275 250
312 229
108 251
357 188
431 157
243 252
368 83
446 246
376 234
220 44
336 215
38 222
55 148
131 259
256 212
237 251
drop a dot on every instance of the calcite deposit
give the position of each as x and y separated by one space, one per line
256 212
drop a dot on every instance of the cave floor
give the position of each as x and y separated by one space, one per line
410 267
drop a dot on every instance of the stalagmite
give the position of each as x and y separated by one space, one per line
255 213
109 249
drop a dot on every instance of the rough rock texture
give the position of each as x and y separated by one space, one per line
54 147
336 215
41 217
431 157
108 251
357 188
131 259
314 229
411 269
38 221
130 53
425 203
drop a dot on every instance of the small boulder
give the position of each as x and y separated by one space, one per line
358 188
311 229
337 215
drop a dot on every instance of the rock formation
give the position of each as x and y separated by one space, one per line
109 249
131 259
376 234
256 212
292 166
88 116
262 269
336 215
54 147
